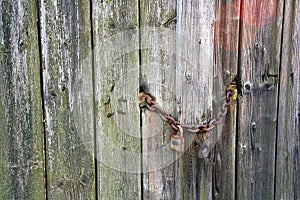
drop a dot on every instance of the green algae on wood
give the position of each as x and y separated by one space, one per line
22 173
68 98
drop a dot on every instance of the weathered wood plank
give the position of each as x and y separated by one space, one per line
21 127
288 135
226 45
158 53
259 67
116 50
67 78
194 84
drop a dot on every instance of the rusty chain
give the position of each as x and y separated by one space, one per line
149 102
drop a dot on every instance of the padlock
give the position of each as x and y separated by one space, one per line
177 141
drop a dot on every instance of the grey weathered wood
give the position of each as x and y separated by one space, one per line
21 130
158 53
186 52
226 41
116 53
194 84
259 59
68 98
288 137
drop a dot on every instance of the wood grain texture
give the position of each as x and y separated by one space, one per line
259 68
185 53
158 53
67 90
194 84
226 45
288 137
21 128
116 53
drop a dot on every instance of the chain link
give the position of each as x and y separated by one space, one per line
149 102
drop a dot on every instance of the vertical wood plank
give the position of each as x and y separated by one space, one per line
21 126
226 45
158 55
259 68
67 78
116 53
288 137
194 82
